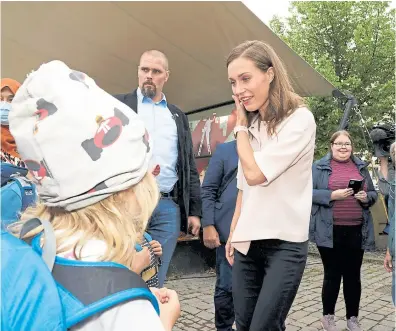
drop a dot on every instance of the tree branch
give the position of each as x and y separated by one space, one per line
374 49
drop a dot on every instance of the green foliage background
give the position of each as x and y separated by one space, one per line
352 44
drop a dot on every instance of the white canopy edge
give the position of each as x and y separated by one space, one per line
105 40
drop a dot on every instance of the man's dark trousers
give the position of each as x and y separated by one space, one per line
219 193
224 305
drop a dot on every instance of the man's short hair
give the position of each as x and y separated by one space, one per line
156 53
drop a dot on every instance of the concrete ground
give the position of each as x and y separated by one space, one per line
377 313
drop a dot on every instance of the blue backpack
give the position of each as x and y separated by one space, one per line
35 299
17 192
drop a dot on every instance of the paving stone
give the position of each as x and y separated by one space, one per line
191 310
307 320
368 324
293 328
317 314
205 315
311 309
299 314
371 308
341 312
203 305
317 325
188 322
388 323
380 327
297 323
375 317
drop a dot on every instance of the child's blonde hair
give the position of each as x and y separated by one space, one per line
118 220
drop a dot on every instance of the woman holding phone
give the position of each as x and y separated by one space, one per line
341 226
268 242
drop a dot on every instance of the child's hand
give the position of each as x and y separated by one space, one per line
141 260
157 248
169 306
162 294
170 309
156 171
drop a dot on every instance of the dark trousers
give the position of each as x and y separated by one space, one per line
224 305
265 283
344 261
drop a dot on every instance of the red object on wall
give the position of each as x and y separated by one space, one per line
216 137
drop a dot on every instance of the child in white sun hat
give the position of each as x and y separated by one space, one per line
88 154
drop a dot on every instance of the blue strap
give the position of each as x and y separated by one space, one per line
110 301
147 236
139 247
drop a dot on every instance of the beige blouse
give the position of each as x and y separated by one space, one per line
280 207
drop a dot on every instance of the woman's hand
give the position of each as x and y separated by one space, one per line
241 112
361 196
341 194
157 248
229 251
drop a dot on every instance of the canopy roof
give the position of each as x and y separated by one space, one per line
106 39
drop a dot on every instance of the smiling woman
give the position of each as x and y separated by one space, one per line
259 80
275 135
341 225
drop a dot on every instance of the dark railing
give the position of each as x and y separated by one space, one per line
217 105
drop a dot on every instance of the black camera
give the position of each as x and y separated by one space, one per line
382 136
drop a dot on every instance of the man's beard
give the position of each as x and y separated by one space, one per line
149 90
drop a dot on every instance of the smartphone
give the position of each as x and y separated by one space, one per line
356 185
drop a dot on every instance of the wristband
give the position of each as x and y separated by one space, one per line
240 128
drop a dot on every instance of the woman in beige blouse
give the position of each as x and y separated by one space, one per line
268 242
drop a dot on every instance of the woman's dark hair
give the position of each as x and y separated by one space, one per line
282 99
